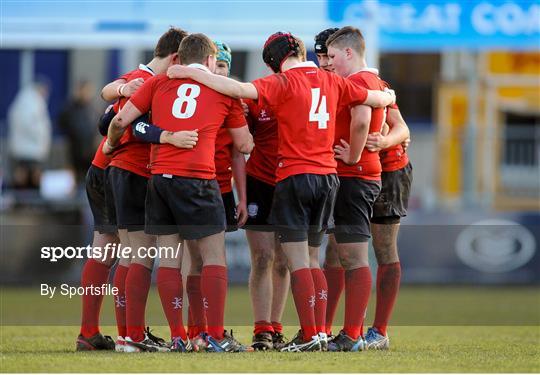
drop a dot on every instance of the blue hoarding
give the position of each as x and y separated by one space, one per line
428 25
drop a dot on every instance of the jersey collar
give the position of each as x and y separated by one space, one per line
370 70
305 64
146 69
199 66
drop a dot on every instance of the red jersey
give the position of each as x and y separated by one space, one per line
305 100
369 166
184 104
100 159
262 162
393 158
132 154
223 160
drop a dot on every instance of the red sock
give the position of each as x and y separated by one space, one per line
388 277
197 313
263 326
321 298
335 277
119 282
278 327
214 291
137 288
303 293
357 291
169 284
93 274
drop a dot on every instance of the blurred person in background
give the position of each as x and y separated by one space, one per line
29 134
78 123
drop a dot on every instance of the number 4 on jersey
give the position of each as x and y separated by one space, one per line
318 110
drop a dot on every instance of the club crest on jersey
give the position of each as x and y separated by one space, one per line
263 116
252 209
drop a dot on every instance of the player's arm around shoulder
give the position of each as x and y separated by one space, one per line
120 88
221 84
379 99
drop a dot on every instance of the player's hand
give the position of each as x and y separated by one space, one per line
107 148
179 71
343 152
241 213
376 142
245 108
131 87
405 144
392 93
181 139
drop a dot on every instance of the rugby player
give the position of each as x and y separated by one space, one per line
320 48
388 209
334 273
228 162
360 185
305 100
183 199
269 276
95 272
126 185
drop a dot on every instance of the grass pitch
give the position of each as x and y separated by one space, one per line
459 344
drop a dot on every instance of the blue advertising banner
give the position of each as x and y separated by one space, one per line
438 25
404 25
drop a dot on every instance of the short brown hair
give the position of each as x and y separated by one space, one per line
350 37
195 48
169 42
302 53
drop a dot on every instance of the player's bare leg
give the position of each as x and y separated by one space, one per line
261 246
335 278
280 286
385 242
388 279
170 288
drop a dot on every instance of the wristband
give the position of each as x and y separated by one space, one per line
145 131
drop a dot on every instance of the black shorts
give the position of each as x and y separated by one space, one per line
230 211
302 207
392 203
354 207
95 191
125 194
259 203
191 207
